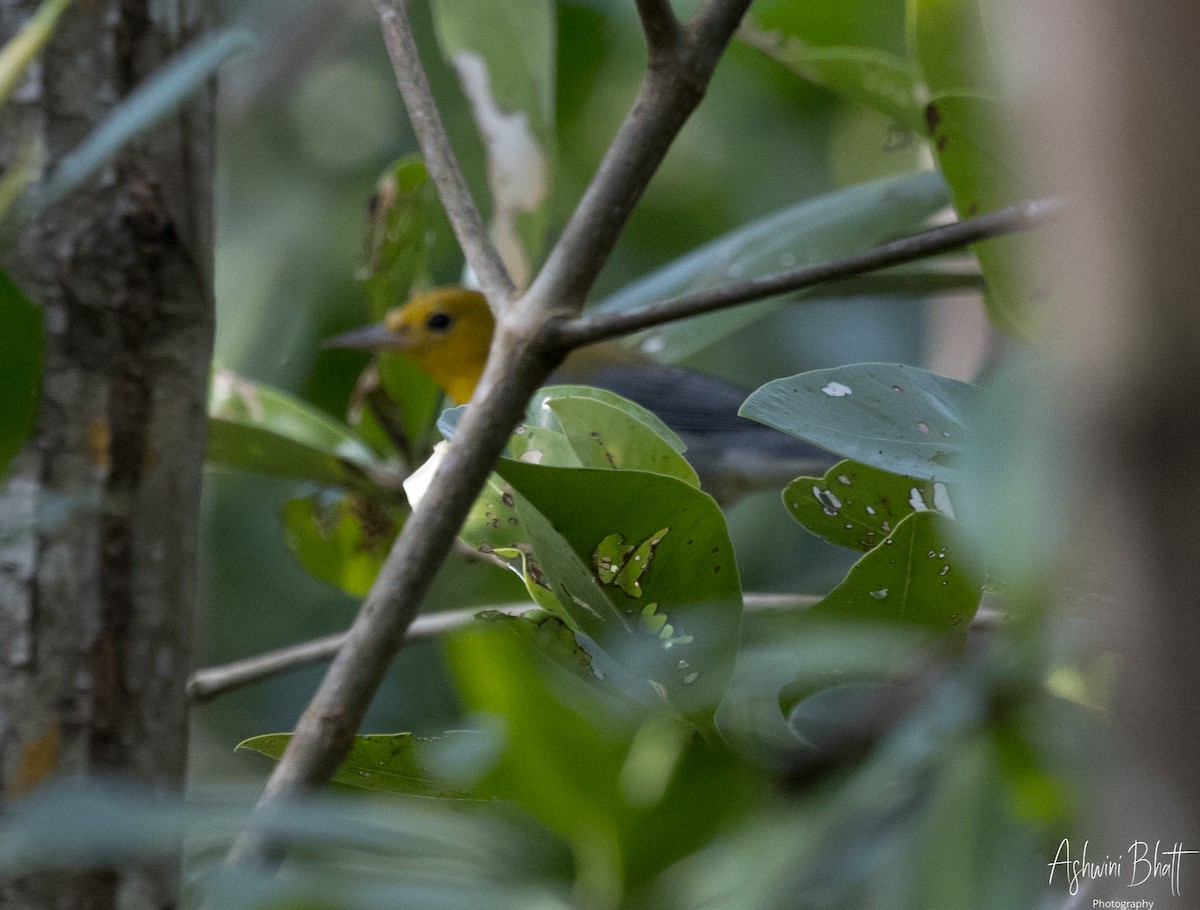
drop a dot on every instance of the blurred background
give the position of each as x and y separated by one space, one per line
305 129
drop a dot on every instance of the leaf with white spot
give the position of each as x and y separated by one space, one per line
671 620
889 416
505 61
857 506
922 574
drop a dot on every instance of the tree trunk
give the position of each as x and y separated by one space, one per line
99 515
1115 87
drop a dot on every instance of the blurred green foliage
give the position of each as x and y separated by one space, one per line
641 740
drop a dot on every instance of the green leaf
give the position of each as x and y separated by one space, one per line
921 574
889 416
342 541
398 246
603 436
831 23
672 619
966 127
399 235
393 763
564 744
542 410
836 224
540 415
168 88
264 430
885 82
966 133
632 791
20 368
948 40
506 64
857 506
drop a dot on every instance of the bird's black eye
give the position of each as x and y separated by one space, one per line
439 322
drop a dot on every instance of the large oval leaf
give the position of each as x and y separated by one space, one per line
895 417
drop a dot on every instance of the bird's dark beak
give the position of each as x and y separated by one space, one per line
377 337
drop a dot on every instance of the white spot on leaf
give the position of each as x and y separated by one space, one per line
417 483
941 500
836 390
516 162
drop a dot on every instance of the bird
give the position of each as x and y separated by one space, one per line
447 333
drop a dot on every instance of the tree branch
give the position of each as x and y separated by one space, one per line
662 29
668 95
522 355
585 330
212 682
444 170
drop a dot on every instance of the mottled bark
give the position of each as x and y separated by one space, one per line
98 519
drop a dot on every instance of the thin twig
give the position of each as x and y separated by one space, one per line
444 170
589 329
212 682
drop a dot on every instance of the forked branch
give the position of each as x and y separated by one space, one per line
521 358
442 163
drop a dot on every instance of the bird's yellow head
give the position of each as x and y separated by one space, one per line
447 333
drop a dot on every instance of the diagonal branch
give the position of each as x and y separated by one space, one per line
522 356
1024 216
440 159
668 95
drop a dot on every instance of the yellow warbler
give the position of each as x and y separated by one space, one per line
447 333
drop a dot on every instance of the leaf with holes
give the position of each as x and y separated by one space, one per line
669 614
342 540
857 506
889 416
922 574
